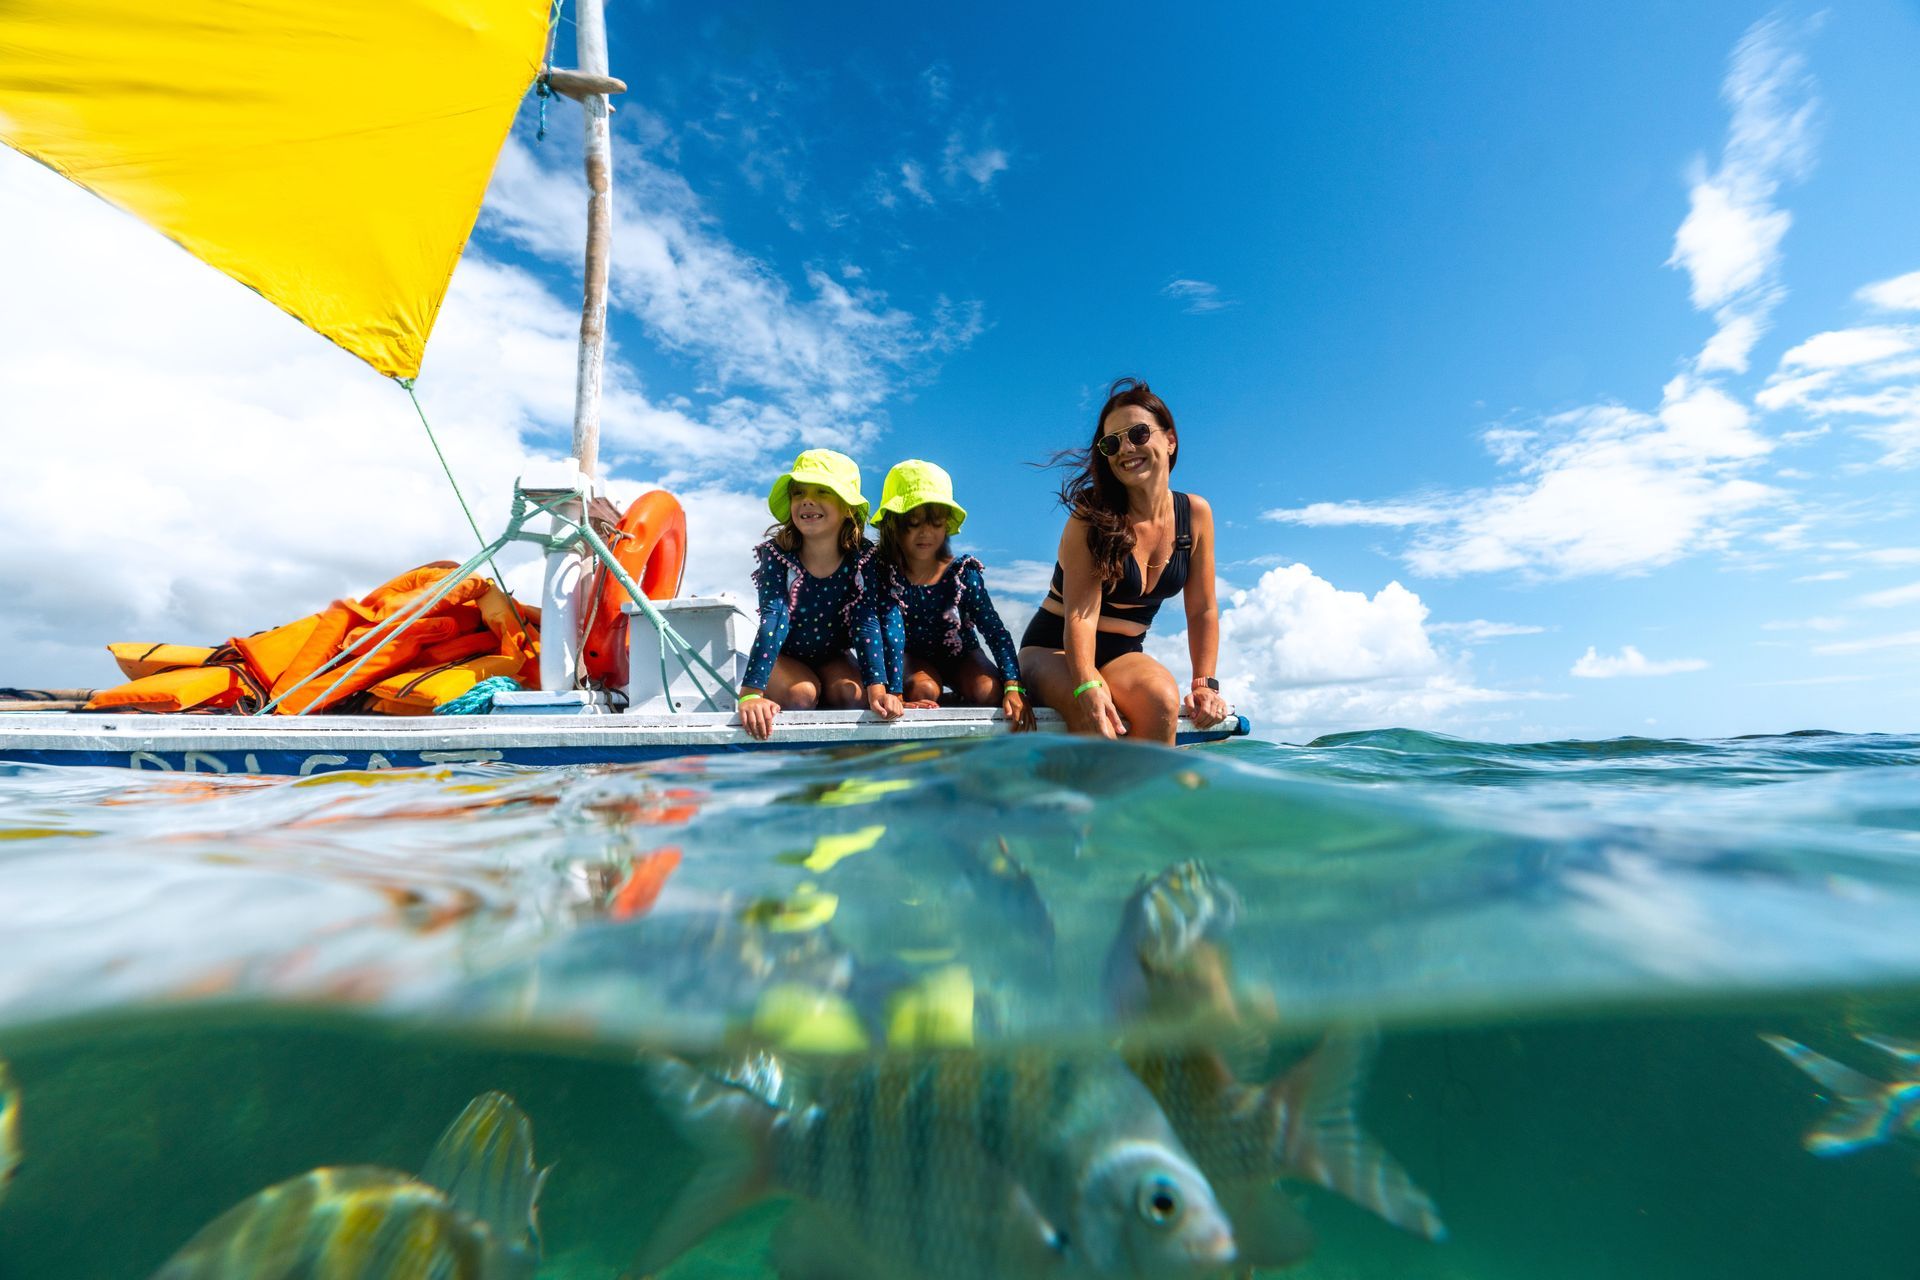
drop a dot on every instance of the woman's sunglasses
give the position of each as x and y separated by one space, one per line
1136 435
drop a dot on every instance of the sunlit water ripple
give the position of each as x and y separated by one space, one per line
1389 874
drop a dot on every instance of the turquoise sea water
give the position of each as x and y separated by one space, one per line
211 984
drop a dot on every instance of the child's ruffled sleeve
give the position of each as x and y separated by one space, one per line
776 618
977 605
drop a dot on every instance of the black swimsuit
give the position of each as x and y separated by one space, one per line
1126 600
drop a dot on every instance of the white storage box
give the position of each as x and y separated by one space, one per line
715 626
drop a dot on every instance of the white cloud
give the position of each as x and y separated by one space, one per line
1902 293
1902 640
1805 624
1304 658
1864 378
1026 580
1630 662
914 179
1392 514
1830 575
1729 243
979 161
1480 630
827 358
1891 597
1609 490
1845 348
1891 555
1605 489
1196 296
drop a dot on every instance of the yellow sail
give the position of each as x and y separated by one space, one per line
329 154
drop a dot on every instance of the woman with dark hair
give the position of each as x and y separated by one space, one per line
1130 543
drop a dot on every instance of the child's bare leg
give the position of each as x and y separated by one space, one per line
923 681
794 685
975 682
840 687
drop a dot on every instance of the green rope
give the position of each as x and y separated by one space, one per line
473 524
498 577
478 701
541 86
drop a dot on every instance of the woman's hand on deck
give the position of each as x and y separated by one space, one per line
1206 707
1018 711
882 703
756 716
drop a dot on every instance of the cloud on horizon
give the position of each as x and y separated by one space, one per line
1591 665
1306 658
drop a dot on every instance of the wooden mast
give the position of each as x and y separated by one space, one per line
569 571
590 47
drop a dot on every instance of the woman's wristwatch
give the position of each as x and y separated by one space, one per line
1206 682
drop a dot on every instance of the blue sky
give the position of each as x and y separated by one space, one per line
1551 373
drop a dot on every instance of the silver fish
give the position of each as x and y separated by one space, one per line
1169 954
1865 1111
380 1224
10 1153
950 1166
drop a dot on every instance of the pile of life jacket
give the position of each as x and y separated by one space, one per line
475 632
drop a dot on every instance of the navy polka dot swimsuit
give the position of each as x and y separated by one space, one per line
945 619
815 619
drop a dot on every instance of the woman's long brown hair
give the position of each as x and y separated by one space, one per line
1094 494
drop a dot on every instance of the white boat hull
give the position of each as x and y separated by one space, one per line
286 745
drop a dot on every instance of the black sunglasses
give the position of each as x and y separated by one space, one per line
1136 435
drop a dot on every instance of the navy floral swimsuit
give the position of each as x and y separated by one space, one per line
815 619
944 620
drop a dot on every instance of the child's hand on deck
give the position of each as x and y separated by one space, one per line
1019 713
756 716
882 703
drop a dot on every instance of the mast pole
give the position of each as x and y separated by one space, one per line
590 47
569 570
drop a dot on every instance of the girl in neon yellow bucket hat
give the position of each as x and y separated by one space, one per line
820 596
940 608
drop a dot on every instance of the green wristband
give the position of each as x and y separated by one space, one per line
1091 684
1014 686
747 697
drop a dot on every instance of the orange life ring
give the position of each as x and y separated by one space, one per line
651 545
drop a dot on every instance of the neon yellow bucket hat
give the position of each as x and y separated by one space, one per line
914 483
829 470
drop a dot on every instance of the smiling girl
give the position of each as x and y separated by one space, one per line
819 597
1130 544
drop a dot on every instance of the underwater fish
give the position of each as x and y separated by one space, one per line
1865 1111
1169 955
9 1128
948 1166
470 1216
484 1162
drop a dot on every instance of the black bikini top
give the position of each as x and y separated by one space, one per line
1125 599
